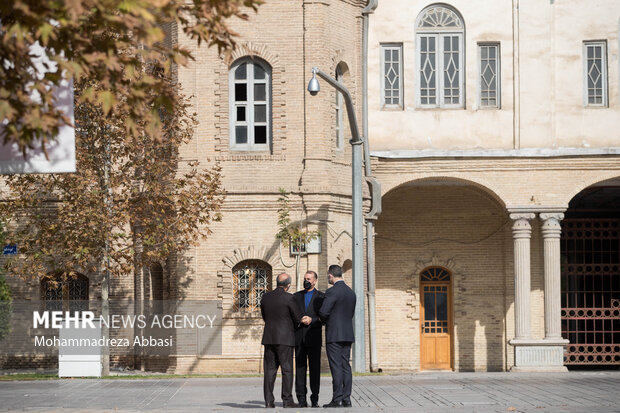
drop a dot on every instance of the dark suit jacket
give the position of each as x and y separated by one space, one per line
311 335
337 313
281 316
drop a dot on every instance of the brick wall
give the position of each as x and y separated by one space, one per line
464 230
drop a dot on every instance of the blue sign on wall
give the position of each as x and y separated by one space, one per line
10 249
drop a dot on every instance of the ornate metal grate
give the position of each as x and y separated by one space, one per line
65 293
591 291
251 280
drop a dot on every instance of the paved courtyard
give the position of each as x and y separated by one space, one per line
428 392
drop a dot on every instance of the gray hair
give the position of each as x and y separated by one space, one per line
280 282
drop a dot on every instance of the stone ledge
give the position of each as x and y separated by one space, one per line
530 342
539 369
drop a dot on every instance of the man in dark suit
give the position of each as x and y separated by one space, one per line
281 315
308 341
337 313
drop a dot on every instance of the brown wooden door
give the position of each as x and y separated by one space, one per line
435 325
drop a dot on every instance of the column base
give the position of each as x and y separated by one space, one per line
548 369
539 355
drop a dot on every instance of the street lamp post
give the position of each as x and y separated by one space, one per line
359 350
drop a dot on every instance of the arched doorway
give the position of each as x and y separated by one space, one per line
590 251
463 228
435 319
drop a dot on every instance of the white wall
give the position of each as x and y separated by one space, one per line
548 112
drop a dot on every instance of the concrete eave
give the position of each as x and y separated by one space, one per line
497 153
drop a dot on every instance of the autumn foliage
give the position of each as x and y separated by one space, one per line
89 40
134 200
132 193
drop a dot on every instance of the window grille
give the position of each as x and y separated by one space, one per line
61 292
440 52
595 73
489 81
391 75
251 280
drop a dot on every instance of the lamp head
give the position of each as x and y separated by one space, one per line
313 85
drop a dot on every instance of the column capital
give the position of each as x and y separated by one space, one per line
517 216
551 227
521 227
557 216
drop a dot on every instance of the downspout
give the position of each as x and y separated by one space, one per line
375 190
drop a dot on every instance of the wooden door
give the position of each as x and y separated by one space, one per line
435 320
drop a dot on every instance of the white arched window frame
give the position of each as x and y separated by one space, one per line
250 105
440 55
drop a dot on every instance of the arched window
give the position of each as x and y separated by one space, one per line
157 281
62 292
251 280
340 70
157 287
435 274
250 104
440 55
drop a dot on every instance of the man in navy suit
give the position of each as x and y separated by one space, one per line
308 341
337 313
281 316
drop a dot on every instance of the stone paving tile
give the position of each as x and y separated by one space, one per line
436 392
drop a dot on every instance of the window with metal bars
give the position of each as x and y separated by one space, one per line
595 73
63 292
489 78
392 76
590 250
251 280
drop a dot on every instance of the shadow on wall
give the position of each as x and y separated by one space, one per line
249 328
454 225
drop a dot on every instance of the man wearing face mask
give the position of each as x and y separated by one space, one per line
308 340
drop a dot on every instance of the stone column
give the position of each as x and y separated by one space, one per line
531 354
551 231
522 233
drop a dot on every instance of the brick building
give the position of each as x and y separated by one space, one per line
493 127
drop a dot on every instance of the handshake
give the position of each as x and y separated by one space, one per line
306 320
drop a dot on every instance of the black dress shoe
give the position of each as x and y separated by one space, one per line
346 404
289 405
270 405
303 404
315 404
333 404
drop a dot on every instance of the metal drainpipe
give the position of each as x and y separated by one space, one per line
376 210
